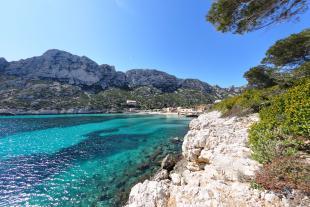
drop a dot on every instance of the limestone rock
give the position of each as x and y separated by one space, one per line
175 178
154 78
65 67
150 194
161 175
222 179
197 85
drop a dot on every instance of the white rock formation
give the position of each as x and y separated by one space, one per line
217 172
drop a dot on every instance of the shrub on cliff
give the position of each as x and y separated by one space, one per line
250 101
284 127
282 137
284 174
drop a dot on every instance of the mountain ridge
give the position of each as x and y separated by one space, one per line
66 78
81 70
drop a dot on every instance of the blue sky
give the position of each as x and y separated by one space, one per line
169 35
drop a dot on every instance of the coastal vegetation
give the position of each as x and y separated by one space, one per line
279 90
44 94
149 98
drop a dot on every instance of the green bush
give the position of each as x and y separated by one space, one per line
249 101
284 126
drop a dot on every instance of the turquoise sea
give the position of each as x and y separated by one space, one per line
81 160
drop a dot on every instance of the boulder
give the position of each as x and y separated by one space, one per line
150 194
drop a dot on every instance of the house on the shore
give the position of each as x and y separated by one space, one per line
131 103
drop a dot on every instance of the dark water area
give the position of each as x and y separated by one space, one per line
81 160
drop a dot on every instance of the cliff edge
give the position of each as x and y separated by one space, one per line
216 171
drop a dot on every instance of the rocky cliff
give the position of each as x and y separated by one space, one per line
216 170
157 79
67 68
60 81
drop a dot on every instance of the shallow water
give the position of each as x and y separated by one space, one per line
81 160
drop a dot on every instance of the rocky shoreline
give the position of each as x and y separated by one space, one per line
216 170
163 157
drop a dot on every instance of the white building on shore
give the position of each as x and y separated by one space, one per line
131 102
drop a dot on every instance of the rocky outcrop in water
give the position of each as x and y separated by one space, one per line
216 170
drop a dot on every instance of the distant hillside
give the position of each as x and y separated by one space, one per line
58 80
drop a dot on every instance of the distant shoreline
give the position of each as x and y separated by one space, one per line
20 113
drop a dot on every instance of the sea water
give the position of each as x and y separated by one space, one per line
82 160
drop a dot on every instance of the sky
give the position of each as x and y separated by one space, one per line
168 35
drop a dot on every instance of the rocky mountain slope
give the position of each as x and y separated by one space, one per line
58 80
216 171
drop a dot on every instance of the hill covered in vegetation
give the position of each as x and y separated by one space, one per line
59 82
